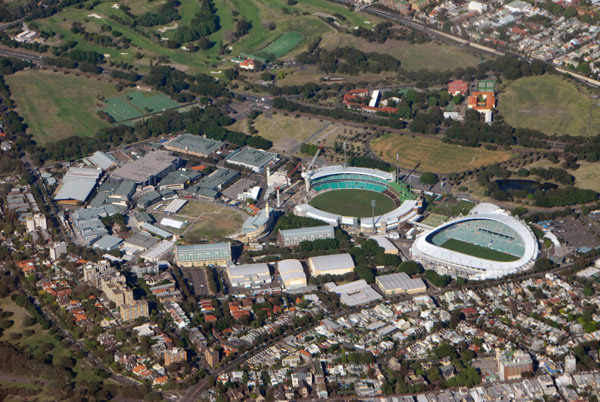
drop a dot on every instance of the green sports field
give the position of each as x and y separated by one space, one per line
282 45
478 251
352 202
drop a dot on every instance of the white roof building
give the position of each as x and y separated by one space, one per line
386 244
173 223
354 293
400 283
336 264
292 273
175 205
248 275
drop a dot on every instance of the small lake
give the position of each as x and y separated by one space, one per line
530 186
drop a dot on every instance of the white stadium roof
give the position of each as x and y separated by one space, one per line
477 268
339 169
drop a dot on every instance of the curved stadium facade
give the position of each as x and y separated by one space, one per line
340 177
484 246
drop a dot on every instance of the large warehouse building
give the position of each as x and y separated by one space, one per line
148 169
250 158
195 145
400 283
292 273
487 244
336 264
248 275
198 255
293 237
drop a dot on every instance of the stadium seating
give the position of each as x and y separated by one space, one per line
484 233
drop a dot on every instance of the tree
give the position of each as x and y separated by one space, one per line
429 178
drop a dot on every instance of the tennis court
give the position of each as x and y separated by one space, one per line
151 104
119 109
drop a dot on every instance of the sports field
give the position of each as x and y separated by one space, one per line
282 45
550 104
54 105
353 202
433 155
428 56
478 251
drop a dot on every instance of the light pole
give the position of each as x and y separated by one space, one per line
373 215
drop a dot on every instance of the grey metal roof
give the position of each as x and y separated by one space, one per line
331 262
125 189
149 165
203 247
326 229
251 157
141 240
102 160
291 269
108 242
195 143
77 184
217 179
399 281
179 177
156 230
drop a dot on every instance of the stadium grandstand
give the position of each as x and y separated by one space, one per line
478 246
332 178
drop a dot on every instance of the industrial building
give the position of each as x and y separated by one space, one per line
197 255
139 242
354 293
250 158
292 273
103 160
293 237
386 244
148 169
336 264
178 180
211 185
195 145
77 185
249 275
159 251
400 283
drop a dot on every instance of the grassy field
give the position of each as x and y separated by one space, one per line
429 56
301 19
286 132
212 221
477 251
41 340
353 202
136 104
54 105
282 45
453 207
434 220
587 176
433 155
550 104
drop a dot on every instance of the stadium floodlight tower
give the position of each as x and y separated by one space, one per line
373 215
306 171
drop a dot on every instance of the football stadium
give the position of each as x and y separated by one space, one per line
343 195
479 246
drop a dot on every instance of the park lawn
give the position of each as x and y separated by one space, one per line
352 202
551 104
587 176
478 251
428 56
434 220
286 132
54 105
84 371
433 155
194 209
